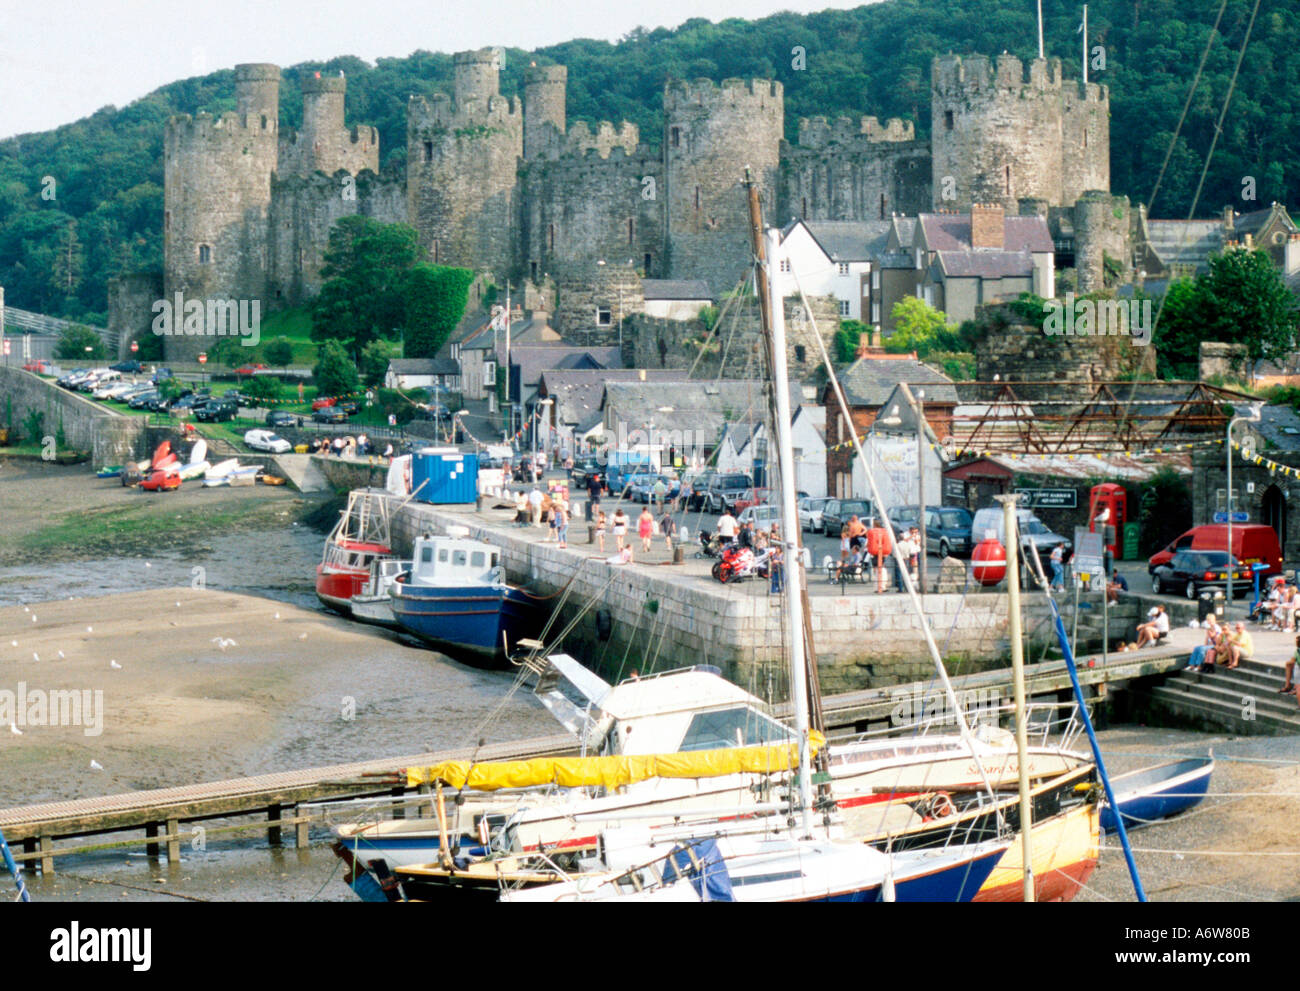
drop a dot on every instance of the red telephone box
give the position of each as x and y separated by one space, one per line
1112 500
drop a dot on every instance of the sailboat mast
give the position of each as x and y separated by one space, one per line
789 514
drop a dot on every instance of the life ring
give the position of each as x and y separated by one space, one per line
941 806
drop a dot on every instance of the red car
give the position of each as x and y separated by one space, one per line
249 369
321 404
750 497
161 481
39 367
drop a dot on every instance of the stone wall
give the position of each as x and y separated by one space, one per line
1101 230
656 618
130 307
860 177
1222 361
87 426
323 143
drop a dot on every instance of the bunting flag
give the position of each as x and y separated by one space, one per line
1274 467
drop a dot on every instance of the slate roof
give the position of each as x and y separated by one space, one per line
871 381
695 404
1185 242
850 240
534 359
985 264
691 289
951 232
577 392
1250 223
905 228
423 366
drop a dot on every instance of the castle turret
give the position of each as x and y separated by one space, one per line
712 134
463 168
544 115
999 137
217 196
257 89
323 143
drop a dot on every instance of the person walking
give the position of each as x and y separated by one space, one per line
601 524
1058 568
645 528
620 528
659 490
535 505
776 568
668 527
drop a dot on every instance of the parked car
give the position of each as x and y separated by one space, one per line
66 380
750 497
139 389
130 365
762 516
251 369
143 399
348 406
265 440
699 483
947 528
280 418
837 512
724 489
160 375
100 377
810 513
329 414
1193 571
216 411
40 367
322 403
643 487
236 396
585 467
1252 543
111 390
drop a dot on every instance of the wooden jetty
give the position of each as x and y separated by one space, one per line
162 813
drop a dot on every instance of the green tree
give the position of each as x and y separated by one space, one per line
846 340
435 302
1244 298
919 327
78 342
375 357
263 387
335 372
278 352
365 273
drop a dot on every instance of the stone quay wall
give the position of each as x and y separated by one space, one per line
87 426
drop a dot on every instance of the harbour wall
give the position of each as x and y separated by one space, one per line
109 437
657 617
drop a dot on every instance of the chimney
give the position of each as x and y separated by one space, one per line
1228 223
986 225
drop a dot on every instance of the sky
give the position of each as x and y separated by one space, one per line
61 60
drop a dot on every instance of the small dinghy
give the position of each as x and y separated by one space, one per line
110 471
1158 792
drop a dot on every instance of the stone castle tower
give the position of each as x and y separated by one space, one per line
505 186
999 137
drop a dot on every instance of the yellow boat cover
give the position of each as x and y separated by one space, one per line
610 772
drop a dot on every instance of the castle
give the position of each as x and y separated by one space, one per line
507 187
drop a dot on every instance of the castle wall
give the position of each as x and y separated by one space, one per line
584 290
544 107
837 172
130 307
1085 140
712 134
1101 228
579 210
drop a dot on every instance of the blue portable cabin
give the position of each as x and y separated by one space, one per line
444 475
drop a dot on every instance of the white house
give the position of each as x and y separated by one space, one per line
745 443
676 299
834 258
422 373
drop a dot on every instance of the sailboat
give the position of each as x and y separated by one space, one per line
360 537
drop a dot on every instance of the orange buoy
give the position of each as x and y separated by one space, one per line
989 562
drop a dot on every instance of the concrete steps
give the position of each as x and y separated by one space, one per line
1244 700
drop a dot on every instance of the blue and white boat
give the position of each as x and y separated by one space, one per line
1158 792
456 598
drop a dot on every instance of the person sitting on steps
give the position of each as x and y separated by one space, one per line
1149 632
1288 687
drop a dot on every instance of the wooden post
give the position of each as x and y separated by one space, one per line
174 841
151 831
47 855
301 830
273 832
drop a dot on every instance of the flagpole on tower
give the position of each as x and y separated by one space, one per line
1040 28
1084 28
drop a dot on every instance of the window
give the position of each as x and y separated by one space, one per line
550 238
875 313
532 270
918 259
458 559
477 559
428 151
647 264
604 317
740 727
167 221
489 373
426 555
844 308
785 264
875 279
882 206
494 559
263 122
804 211
631 230
205 254
947 120
675 137
435 250
844 268
800 355
697 197
442 555
1007 172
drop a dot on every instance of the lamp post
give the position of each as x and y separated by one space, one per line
1251 417
920 486
537 414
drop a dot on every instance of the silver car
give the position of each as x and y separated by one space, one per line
810 513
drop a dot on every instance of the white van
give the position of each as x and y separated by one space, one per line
1033 531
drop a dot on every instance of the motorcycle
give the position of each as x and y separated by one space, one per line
739 563
710 544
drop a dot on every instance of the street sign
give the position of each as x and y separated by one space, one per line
135 346
203 357
1050 498
6 347
1237 517
1089 553
954 491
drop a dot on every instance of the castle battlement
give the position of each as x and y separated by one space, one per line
441 113
1080 92
818 132
225 127
681 95
956 76
581 141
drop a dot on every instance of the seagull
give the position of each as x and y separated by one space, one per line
223 643
96 765
35 656
33 617
277 615
178 605
302 636
25 609
15 730
13 643
115 666
61 655
148 565
90 629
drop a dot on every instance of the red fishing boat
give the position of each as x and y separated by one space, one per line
360 537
